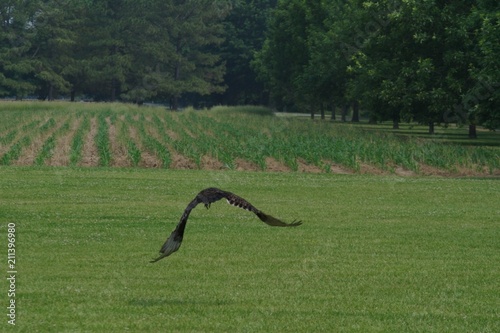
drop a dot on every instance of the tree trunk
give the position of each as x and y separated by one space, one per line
113 90
395 120
355 112
431 127
50 96
73 92
322 110
472 131
174 103
345 108
333 112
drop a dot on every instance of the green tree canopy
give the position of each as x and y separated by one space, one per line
132 50
427 61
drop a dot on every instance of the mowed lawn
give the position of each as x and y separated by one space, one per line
375 253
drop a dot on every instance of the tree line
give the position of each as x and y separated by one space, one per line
131 50
169 51
429 61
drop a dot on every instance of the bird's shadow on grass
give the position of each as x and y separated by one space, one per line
148 302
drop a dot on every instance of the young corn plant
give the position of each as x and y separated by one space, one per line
154 146
251 134
30 126
15 151
186 144
77 143
46 151
9 137
48 125
102 140
49 145
133 152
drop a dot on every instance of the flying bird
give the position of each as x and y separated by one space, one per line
208 196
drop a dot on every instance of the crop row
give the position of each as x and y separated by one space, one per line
323 143
228 136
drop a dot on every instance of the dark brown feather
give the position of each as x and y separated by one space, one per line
207 197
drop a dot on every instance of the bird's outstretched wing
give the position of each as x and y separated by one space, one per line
174 241
237 201
208 196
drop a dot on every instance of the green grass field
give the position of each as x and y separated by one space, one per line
375 253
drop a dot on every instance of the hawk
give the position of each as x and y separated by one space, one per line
208 196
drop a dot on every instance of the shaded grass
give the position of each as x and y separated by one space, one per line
451 134
375 254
